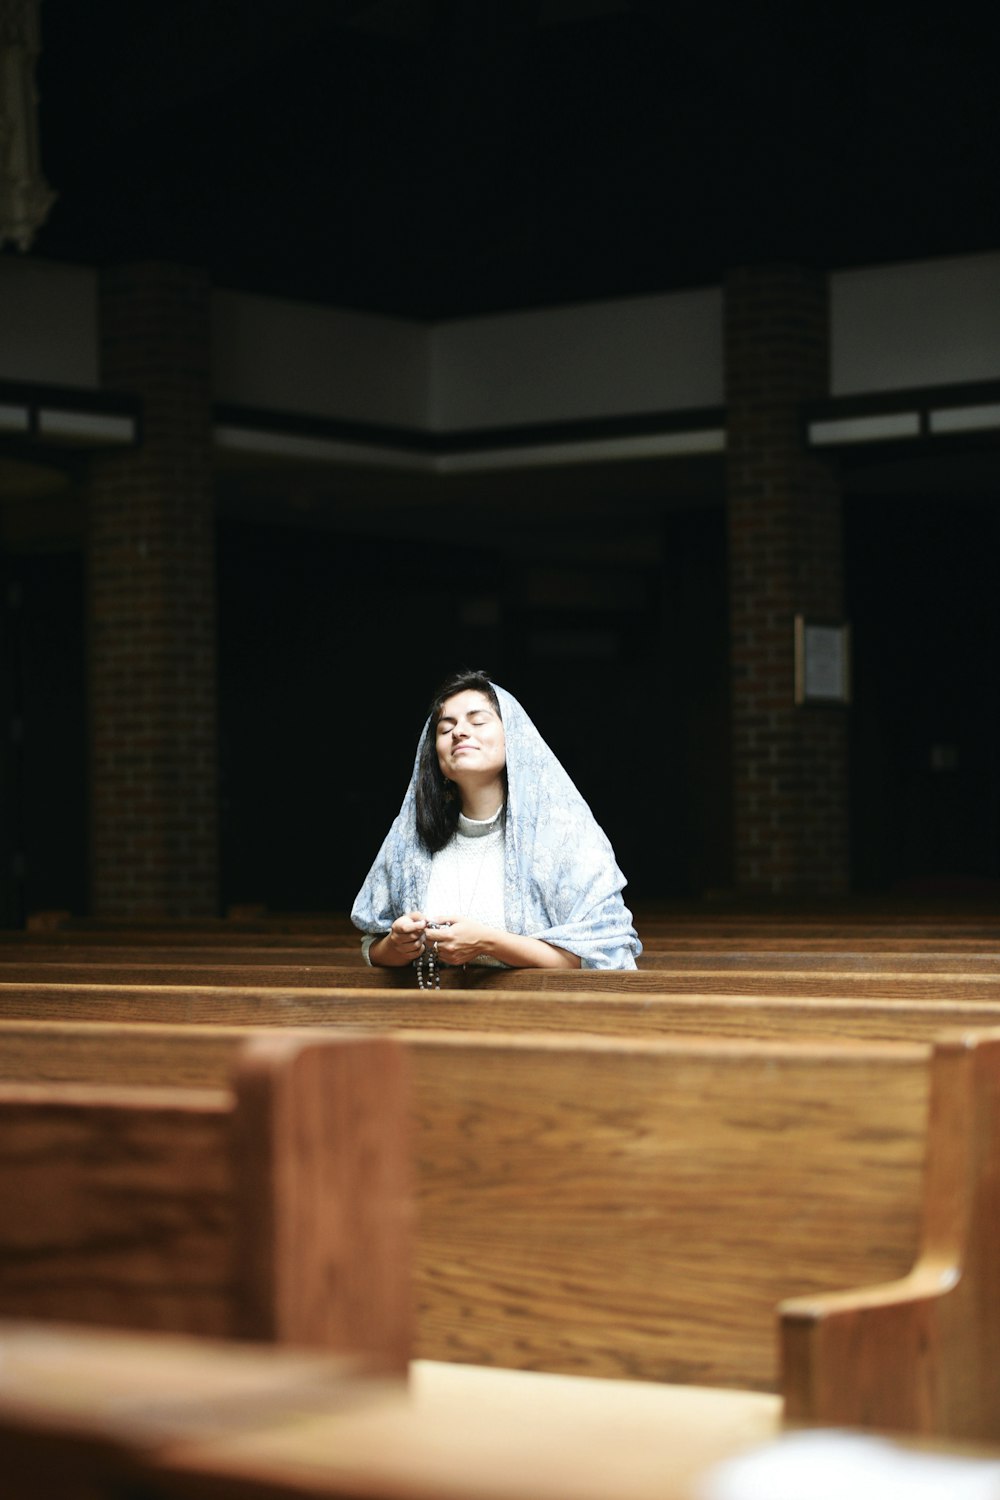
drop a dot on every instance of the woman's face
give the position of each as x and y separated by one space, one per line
470 738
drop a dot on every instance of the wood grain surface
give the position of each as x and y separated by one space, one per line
636 1209
624 1207
117 1208
761 1015
84 1412
804 971
87 1416
270 1197
829 983
921 1354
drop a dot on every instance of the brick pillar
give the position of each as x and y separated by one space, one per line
785 557
151 607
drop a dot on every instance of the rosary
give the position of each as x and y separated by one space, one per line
431 978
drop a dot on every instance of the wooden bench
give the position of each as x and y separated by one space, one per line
863 960
804 971
641 1209
179 1420
337 941
952 984
957 942
664 1147
844 925
101 1416
269 1201
760 1017
135 939
87 1413
660 980
871 1356
832 920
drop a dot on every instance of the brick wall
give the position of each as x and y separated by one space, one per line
151 608
785 557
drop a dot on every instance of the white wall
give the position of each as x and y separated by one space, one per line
604 359
934 322
319 361
894 327
48 323
638 355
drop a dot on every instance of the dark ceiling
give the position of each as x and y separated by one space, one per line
439 158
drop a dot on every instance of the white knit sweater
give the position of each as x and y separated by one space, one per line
467 874
466 878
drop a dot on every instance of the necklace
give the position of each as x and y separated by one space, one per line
465 907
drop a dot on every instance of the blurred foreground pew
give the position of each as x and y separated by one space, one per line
635 1208
153 1417
271 1200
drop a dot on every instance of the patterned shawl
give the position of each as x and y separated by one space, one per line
561 882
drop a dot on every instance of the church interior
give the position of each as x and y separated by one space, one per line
644 357
467 185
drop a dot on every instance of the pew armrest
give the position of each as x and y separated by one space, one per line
921 1354
865 1358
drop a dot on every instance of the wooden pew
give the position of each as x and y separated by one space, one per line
294 970
760 1017
62 925
864 960
871 1356
85 1413
337 935
986 940
270 1201
17 959
850 924
900 984
338 941
160 1416
849 915
177 1420
617 1207
641 1209
952 984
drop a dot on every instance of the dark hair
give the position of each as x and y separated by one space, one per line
438 806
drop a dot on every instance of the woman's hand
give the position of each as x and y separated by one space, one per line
402 943
459 941
407 934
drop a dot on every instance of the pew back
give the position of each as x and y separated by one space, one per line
793 973
762 1016
952 984
267 1200
620 1207
143 1415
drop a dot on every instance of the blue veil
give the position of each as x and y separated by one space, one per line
561 881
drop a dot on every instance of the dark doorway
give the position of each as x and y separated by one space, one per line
925 609
43 782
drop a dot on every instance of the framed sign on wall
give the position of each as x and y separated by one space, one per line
822 661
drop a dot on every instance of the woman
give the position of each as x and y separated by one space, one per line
494 857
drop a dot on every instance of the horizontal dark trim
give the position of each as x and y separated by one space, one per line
69 398
41 399
919 401
474 440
